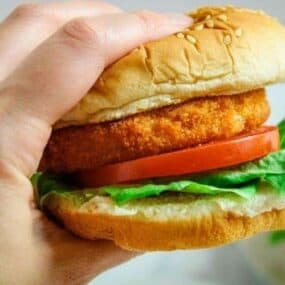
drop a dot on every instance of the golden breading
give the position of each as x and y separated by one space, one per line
170 128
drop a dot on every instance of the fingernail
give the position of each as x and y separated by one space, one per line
179 19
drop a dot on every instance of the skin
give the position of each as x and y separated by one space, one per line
50 56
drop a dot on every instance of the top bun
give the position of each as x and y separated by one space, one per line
226 51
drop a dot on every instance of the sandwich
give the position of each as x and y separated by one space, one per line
169 149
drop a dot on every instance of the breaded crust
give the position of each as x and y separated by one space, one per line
163 130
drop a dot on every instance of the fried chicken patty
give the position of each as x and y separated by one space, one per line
153 132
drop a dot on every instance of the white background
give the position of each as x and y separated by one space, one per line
221 266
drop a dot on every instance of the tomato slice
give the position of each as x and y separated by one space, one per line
211 156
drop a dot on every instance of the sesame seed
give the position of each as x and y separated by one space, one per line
191 39
199 27
180 36
227 39
222 17
238 32
210 23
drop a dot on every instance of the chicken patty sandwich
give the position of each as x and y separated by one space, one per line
169 149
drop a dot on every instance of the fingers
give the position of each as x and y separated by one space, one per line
30 24
63 69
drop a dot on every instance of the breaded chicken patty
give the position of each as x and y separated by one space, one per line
158 131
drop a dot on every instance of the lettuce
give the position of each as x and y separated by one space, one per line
277 181
277 237
281 127
123 194
47 184
241 181
270 169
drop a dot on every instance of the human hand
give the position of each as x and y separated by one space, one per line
48 62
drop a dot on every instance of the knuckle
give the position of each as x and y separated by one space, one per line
27 10
80 32
110 7
146 20
35 12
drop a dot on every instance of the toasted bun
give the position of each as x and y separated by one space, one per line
227 51
171 222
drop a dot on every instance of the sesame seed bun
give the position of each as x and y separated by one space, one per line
226 51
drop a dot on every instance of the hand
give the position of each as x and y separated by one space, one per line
49 60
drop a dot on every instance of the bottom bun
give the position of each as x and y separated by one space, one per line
171 222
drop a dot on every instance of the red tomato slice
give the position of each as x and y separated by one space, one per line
206 157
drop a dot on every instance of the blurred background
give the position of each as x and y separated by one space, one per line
251 262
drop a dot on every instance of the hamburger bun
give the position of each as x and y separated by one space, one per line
226 51
169 223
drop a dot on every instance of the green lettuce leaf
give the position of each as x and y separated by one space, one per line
123 194
281 127
47 184
277 237
277 182
269 169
